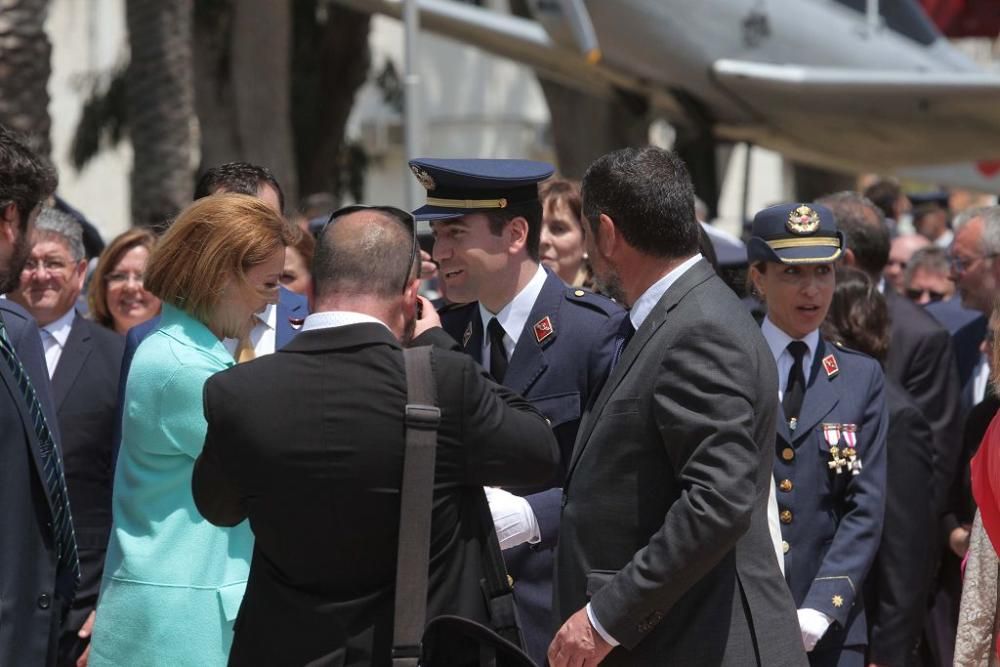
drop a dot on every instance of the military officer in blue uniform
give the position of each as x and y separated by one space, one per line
551 343
830 444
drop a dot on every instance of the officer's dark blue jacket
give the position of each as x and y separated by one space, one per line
558 374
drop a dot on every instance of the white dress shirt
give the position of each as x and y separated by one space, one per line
512 317
641 309
338 318
54 335
262 336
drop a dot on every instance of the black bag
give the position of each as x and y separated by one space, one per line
446 641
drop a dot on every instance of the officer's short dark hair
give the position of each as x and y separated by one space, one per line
238 177
864 227
532 212
26 179
647 192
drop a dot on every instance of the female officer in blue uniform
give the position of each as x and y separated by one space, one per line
830 444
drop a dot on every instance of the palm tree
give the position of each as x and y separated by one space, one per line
25 69
160 102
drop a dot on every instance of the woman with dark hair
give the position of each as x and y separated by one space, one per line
897 584
564 234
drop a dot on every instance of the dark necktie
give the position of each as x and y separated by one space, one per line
625 333
498 354
795 388
55 480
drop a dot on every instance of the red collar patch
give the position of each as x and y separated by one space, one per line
543 329
830 366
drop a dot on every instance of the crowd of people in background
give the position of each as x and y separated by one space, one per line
692 448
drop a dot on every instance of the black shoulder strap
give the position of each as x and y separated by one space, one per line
412 558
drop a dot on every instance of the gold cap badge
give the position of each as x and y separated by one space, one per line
803 220
424 178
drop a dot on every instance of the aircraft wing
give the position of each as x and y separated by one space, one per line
521 40
881 118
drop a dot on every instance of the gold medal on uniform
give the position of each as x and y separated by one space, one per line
831 433
851 439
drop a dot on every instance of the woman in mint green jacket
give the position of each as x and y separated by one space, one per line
172 581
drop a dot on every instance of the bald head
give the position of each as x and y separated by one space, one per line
363 254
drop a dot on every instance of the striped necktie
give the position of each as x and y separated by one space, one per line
52 468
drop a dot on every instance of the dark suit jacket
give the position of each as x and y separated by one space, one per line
898 584
559 375
664 525
320 485
31 599
921 360
85 388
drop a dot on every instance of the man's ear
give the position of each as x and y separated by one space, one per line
9 223
518 229
608 239
80 272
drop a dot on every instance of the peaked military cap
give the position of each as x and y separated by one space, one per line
795 234
457 187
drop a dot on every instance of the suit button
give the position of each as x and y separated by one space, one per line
786 485
785 546
44 601
788 453
785 516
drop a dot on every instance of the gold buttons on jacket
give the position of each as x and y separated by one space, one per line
785 516
788 453
785 485
785 546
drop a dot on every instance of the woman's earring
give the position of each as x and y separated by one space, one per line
586 257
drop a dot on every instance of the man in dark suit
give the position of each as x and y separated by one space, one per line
83 361
320 484
550 343
664 549
39 569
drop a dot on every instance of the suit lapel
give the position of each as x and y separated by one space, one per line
693 277
472 336
820 396
528 362
74 354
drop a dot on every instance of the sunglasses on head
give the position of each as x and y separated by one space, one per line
405 218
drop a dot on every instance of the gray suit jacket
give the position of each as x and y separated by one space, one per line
664 525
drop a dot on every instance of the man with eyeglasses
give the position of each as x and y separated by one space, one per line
84 362
926 278
551 343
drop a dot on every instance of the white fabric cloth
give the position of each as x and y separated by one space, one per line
813 625
513 518
262 336
980 379
512 317
54 336
338 318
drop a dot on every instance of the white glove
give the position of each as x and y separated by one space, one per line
813 625
513 518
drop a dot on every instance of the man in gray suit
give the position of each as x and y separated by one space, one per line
664 552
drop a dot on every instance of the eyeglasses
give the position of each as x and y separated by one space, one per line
917 294
123 278
962 264
50 265
405 218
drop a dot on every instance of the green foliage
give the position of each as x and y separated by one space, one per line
103 120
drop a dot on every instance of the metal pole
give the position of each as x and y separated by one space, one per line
872 16
411 100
